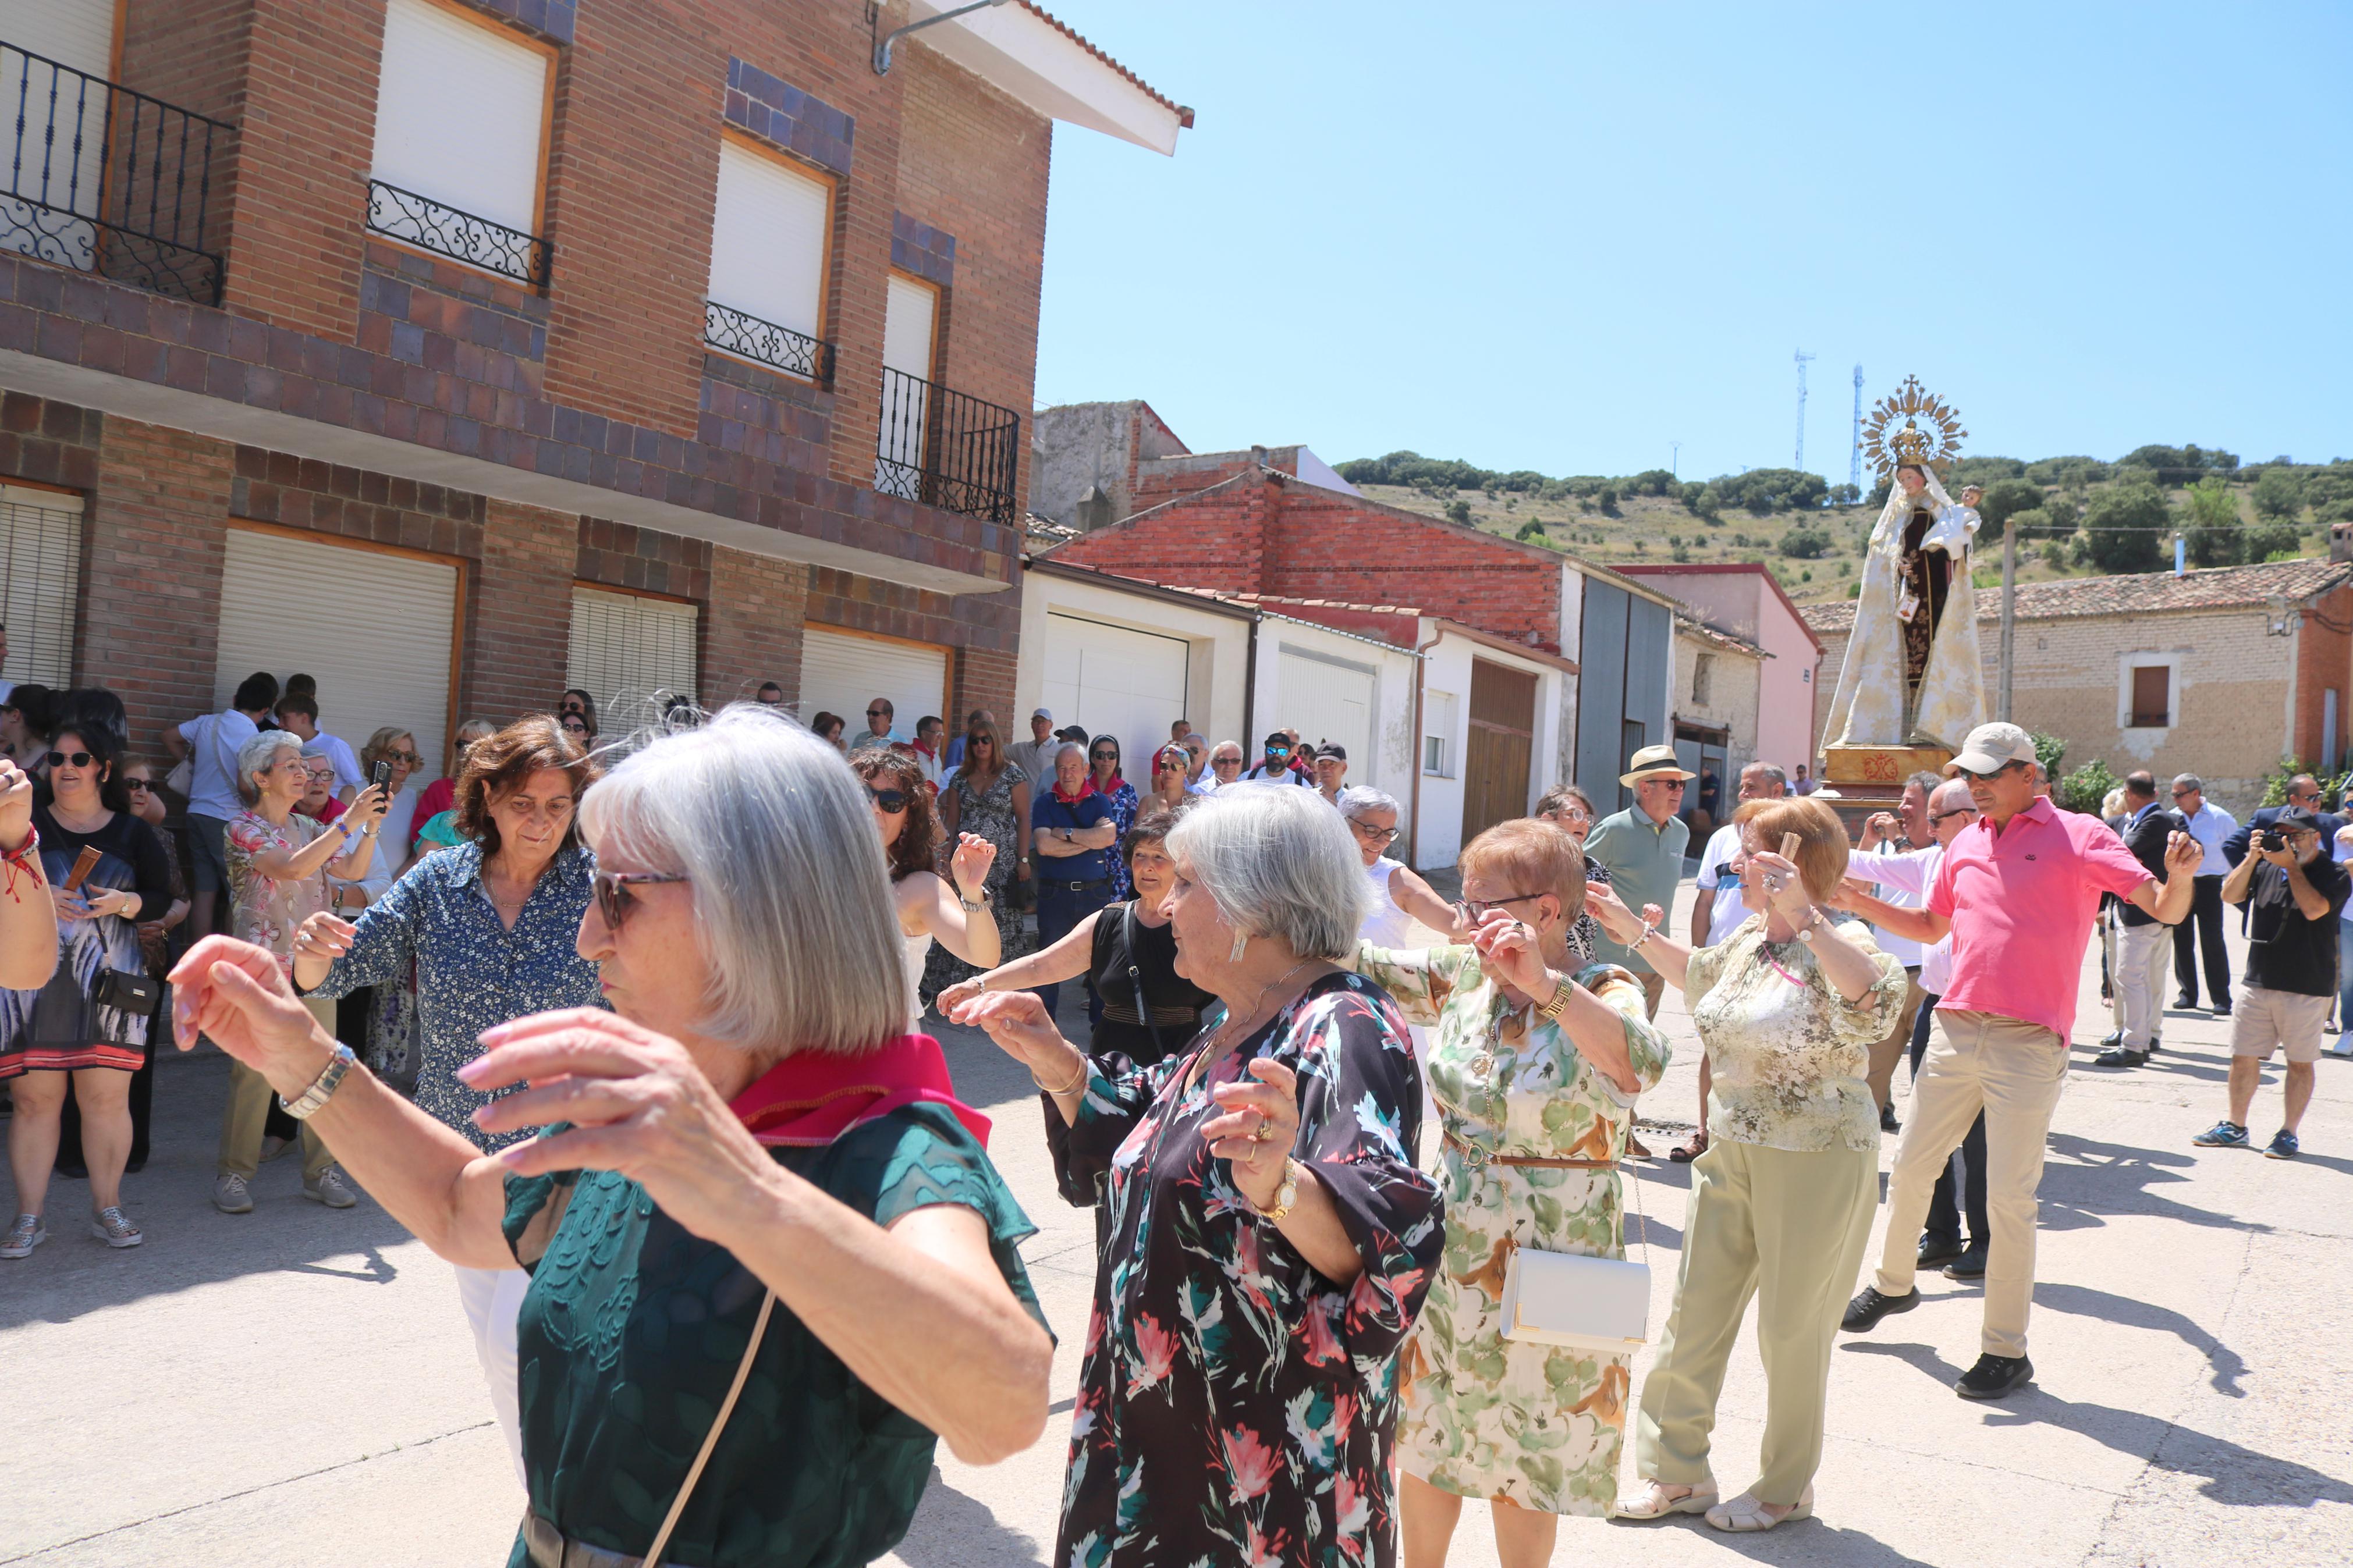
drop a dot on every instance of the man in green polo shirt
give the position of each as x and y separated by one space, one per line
1643 847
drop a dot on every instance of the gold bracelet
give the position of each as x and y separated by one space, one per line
1074 1087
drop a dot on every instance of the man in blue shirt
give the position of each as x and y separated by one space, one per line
1072 833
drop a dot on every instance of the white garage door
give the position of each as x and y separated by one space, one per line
1116 681
630 653
841 672
377 631
1325 700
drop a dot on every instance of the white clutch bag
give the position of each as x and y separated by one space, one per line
1600 1304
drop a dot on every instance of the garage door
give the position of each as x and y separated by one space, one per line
1325 700
379 632
40 560
631 654
1114 680
841 672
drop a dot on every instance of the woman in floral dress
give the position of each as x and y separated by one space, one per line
1535 1110
1270 1239
990 796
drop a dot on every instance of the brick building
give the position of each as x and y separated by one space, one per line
2219 673
1266 523
460 350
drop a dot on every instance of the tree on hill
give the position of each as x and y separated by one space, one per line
1984 471
1764 491
2210 523
2124 527
2005 499
2279 494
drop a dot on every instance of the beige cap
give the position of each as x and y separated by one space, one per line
1991 747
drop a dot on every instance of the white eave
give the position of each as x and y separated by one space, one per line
1036 60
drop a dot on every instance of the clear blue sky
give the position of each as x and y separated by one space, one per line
1561 237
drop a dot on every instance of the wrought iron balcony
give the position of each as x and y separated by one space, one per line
436 226
947 448
109 180
796 353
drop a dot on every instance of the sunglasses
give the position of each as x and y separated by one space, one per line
1937 816
614 900
889 802
411 758
1277 751
1989 772
70 759
877 712
138 785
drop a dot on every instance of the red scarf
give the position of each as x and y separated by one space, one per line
812 1097
1086 788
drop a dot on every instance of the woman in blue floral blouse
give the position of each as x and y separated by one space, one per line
1271 1239
1103 759
491 927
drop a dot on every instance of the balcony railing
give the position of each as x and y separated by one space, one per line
947 448
433 226
796 353
109 180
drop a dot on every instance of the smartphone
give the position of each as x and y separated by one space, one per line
381 776
84 864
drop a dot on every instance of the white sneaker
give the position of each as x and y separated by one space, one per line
27 1234
230 1196
2344 1046
330 1189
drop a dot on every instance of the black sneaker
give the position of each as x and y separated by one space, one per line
2122 1057
1937 1248
1969 1265
1862 1314
1995 1377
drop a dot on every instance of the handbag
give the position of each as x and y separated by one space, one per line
132 993
1600 1304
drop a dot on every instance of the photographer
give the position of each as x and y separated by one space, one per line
2293 893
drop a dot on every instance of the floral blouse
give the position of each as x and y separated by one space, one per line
1123 803
265 910
1236 1406
471 972
1787 1052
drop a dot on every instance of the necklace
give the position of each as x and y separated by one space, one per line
1240 1025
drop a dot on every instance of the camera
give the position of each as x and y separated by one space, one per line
2273 839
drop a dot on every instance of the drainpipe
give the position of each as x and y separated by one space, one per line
883 45
1420 681
1250 689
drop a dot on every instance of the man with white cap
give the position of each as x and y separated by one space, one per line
1643 847
1036 754
2017 890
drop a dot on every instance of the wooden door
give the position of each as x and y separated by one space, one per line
1500 745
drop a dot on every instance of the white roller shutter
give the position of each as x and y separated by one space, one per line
458 114
76 33
909 315
40 570
1115 680
841 672
630 653
767 240
1328 701
378 631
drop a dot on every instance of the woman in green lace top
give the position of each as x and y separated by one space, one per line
752 1153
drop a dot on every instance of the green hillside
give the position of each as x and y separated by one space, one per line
2078 516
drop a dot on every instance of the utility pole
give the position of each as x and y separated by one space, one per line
1802 356
1854 440
1677 469
2008 614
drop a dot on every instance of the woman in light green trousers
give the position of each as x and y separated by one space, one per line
1786 1009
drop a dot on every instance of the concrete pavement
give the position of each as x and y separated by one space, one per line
298 1384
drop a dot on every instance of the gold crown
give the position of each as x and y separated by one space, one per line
1912 444
1933 447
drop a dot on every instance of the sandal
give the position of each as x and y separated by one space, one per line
1652 1501
1747 1514
1691 1151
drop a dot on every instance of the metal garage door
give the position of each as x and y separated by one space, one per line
631 654
1115 680
377 630
1325 700
841 672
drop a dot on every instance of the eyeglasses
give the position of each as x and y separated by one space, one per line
70 759
1569 814
1477 907
889 802
614 900
1372 835
2177 794
1937 816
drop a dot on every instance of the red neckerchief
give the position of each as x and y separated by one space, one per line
1086 788
932 752
812 1097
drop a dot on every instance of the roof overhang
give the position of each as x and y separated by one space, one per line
1038 62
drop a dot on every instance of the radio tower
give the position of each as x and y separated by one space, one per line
1802 356
1854 453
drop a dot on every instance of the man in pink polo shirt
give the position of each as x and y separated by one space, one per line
2017 889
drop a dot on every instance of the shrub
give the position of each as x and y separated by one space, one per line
2123 526
2279 494
1459 510
2085 789
1806 543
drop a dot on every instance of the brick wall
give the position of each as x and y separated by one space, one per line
518 625
752 625
2324 663
983 629
351 503
153 536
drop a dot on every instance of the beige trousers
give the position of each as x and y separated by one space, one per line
1790 1229
2012 1071
1886 1053
248 1109
2143 967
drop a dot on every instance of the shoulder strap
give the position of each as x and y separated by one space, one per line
1128 939
711 1438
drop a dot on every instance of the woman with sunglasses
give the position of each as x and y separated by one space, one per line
580 728
1102 772
988 795
60 1029
489 930
1171 784
927 906
760 1182
1536 1060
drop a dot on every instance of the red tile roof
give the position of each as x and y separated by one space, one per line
2139 593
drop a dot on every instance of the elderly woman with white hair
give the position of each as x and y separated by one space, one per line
1271 1239
753 1146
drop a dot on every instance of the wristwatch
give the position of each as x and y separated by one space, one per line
1813 921
323 1087
1286 1196
1559 1002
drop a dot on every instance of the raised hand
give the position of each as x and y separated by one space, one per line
235 993
16 805
1785 888
1621 924
2182 854
970 864
1017 1021
1507 950
366 806
324 936
1260 1122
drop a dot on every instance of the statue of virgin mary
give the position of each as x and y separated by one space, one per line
1911 674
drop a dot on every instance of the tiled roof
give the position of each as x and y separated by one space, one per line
1183 115
1701 631
2139 594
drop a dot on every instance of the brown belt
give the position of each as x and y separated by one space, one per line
1474 1157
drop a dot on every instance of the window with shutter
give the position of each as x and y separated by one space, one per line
630 653
2152 697
461 125
768 235
1438 722
40 568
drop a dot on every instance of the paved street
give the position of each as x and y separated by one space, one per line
298 1385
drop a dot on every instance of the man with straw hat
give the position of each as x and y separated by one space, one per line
1643 847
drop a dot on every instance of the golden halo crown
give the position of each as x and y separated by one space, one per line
1929 435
